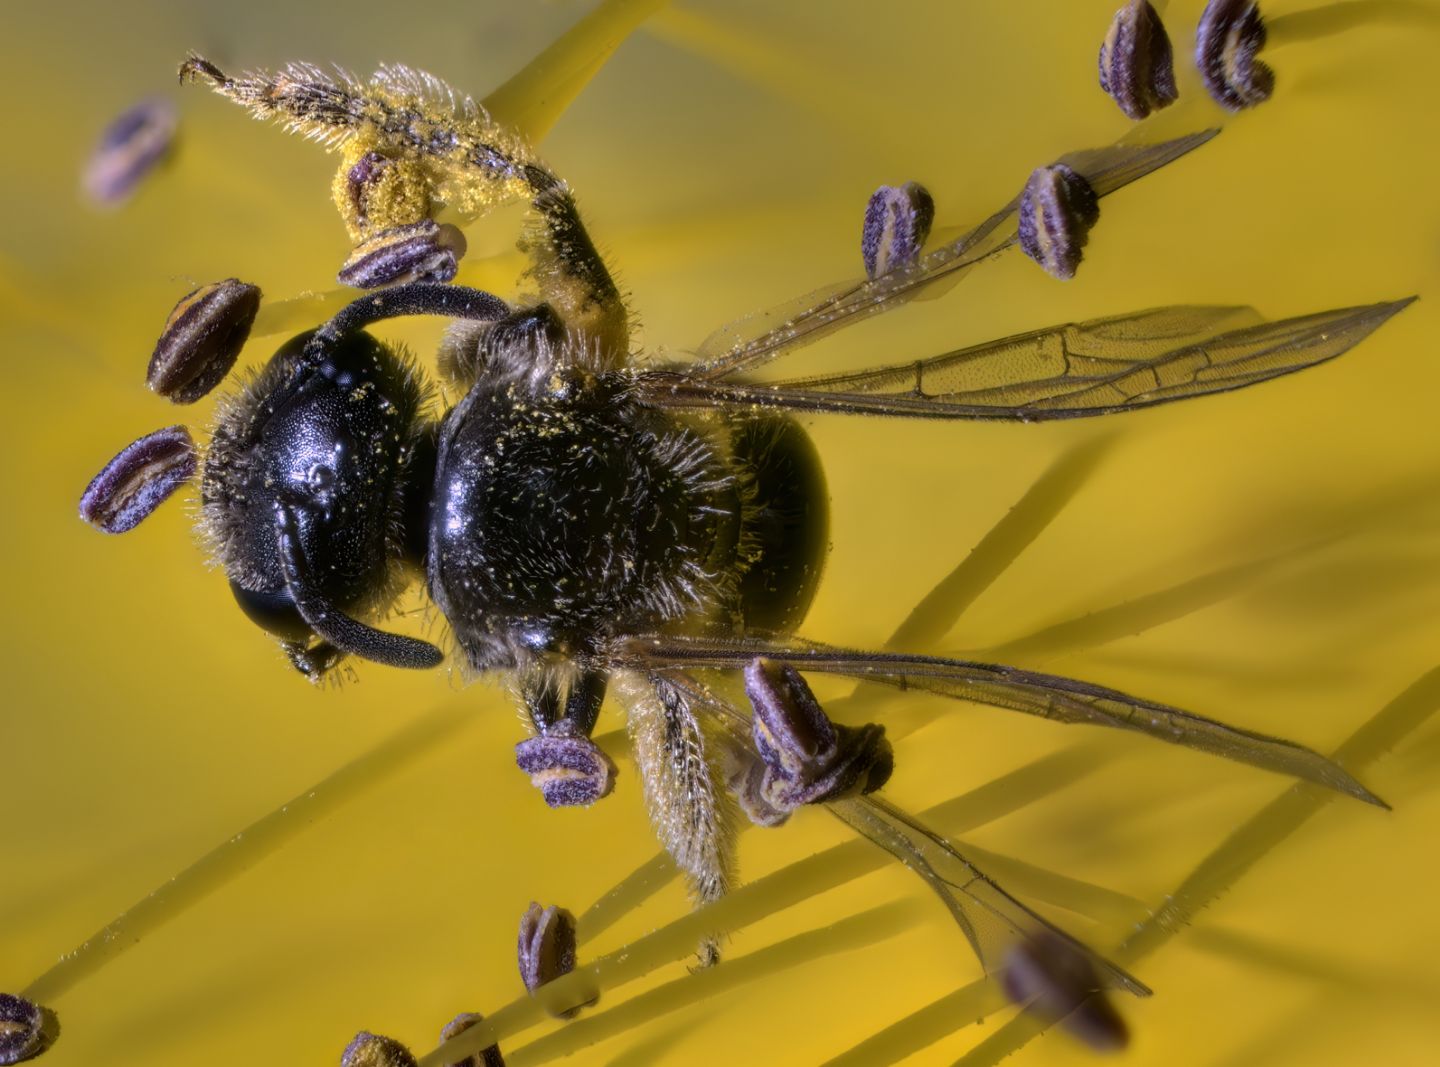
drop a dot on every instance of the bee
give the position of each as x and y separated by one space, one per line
593 524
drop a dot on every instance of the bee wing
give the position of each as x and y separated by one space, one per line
993 921
1069 371
746 344
1048 696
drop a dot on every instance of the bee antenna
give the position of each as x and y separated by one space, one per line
416 298
333 625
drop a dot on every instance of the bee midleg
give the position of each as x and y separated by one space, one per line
553 695
571 274
679 765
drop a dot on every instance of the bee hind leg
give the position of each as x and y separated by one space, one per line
678 761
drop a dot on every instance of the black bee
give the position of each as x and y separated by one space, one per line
593 524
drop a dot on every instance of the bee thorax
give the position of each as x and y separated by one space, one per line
563 516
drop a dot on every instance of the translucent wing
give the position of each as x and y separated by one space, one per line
1069 371
747 344
1048 696
992 920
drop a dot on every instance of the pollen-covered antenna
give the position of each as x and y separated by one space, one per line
332 624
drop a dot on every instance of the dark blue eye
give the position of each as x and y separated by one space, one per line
274 612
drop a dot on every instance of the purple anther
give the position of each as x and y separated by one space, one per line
750 789
361 178
486 1057
1137 64
1057 980
138 480
1057 210
420 252
546 947
897 223
791 730
569 770
1227 42
374 1050
131 146
861 762
202 339
804 758
22 1026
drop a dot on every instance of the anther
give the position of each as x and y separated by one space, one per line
373 1050
804 757
138 480
1057 981
1057 209
361 178
1230 35
546 948
897 222
22 1029
569 770
202 339
1137 64
129 149
486 1057
420 252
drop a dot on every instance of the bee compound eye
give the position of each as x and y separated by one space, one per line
274 612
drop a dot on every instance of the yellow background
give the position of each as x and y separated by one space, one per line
1269 558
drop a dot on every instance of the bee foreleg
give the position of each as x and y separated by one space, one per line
572 275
